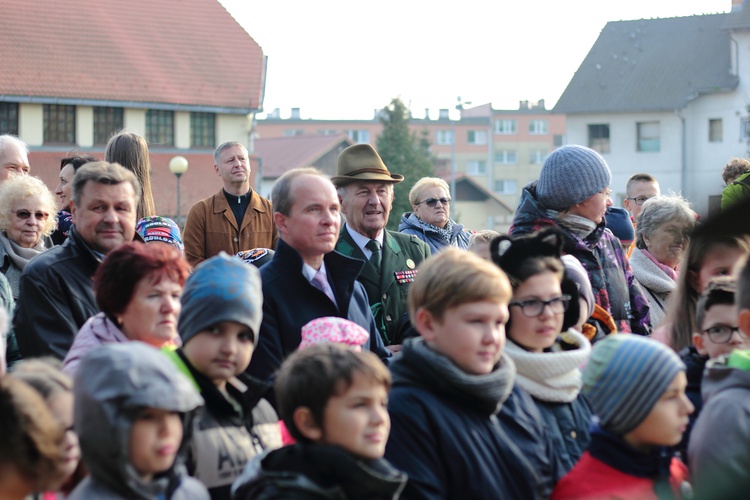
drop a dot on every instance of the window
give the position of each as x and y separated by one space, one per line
327 131
538 127
107 122
160 127
505 157
359 136
202 130
505 127
444 137
9 118
599 138
506 186
477 137
648 137
292 132
744 129
476 167
59 124
715 130
537 156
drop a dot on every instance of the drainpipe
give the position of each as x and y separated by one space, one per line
683 151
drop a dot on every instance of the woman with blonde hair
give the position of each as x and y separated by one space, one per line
27 209
430 221
131 151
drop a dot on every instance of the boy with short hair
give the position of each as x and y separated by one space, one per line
636 387
333 401
718 450
133 415
462 427
717 335
219 322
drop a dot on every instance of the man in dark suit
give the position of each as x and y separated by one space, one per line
306 279
365 188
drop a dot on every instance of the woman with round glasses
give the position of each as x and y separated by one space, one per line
547 353
27 211
430 221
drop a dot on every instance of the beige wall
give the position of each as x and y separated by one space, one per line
134 120
31 124
85 126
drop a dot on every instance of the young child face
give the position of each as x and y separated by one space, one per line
222 351
719 315
61 406
154 441
357 420
541 331
667 420
472 335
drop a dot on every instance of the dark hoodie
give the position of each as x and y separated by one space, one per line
112 384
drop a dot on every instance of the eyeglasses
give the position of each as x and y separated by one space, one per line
721 334
432 202
607 192
25 214
534 307
640 200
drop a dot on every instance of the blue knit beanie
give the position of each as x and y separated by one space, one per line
157 228
618 221
222 288
571 174
625 377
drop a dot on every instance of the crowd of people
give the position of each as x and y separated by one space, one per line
296 348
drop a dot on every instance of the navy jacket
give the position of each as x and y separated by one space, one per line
451 446
290 302
568 425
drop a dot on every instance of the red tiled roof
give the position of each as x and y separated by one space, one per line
189 52
280 154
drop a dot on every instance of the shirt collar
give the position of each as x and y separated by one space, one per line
362 240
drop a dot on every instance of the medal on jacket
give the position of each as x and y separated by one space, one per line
405 276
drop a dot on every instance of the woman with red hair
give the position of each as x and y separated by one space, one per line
137 289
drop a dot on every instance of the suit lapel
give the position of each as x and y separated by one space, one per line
348 247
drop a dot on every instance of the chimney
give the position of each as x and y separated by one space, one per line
539 104
736 5
444 114
275 114
295 114
426 113
523 105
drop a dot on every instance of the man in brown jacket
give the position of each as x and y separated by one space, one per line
234 219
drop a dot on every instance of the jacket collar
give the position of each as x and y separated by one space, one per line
221 206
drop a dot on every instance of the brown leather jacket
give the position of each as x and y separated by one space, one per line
211 227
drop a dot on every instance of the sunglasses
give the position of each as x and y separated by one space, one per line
25 214
432 202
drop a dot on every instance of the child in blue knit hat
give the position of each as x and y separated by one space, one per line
636 387
221 312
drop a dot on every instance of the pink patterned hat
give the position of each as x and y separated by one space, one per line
333 329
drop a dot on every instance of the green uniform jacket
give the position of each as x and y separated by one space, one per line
737 191
402 254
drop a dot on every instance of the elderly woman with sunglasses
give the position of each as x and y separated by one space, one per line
430 221
27 211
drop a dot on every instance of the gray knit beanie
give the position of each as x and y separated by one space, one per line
571 174
625 377
222 288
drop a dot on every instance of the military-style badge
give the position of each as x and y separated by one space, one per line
410 264
406 276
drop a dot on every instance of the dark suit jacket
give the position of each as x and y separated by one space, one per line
402 254
290 302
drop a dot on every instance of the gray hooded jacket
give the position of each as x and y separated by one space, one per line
112 384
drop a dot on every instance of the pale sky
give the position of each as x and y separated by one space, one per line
342 59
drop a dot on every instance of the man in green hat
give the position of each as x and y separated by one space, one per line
365 188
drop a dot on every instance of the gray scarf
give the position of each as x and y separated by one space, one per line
576 224
19 255
421 365
445 232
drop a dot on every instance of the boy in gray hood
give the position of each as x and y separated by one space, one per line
133 415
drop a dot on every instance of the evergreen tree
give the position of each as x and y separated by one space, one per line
404 153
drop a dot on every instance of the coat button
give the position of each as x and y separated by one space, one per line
236 240
387 317
573 434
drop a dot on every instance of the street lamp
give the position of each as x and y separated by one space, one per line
178 165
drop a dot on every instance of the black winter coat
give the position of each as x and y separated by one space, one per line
451 446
